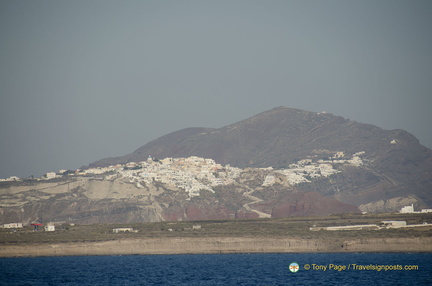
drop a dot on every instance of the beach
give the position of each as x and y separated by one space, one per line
212 245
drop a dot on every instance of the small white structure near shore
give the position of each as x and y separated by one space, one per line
385 224
393 223
50 175
407 209
49 227
347 227
13 225
410 210
124 229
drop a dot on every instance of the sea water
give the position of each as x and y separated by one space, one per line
221 269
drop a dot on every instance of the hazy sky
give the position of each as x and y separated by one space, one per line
85 80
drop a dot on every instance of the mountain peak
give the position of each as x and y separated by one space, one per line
397 165
275 137
281 162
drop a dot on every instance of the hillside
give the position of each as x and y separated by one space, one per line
280 163
396 170
171 189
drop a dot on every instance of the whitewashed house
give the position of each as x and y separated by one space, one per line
49 227
13 225
407 209
124 229
50 175
393 223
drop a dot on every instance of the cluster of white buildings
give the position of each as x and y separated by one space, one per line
191 174
385 224
10 179
14 225
194 173
306 169
410 210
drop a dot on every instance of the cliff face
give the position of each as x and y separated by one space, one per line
396 169
283 162
79 199
182 189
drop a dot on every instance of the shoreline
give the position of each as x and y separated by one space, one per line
217 245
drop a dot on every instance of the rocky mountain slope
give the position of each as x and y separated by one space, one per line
282 162
396 170
172 189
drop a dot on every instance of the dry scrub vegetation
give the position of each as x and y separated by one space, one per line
296 227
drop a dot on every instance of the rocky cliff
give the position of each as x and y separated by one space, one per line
172 189
282 162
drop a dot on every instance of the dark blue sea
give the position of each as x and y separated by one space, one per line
221 269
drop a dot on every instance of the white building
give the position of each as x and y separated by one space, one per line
50 175
393 223
49 227
10 179
124 229
407 209
410 210
13 225
346 227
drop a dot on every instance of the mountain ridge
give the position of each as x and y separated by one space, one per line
397 166
281 162
254 131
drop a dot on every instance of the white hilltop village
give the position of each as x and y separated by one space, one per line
194 174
